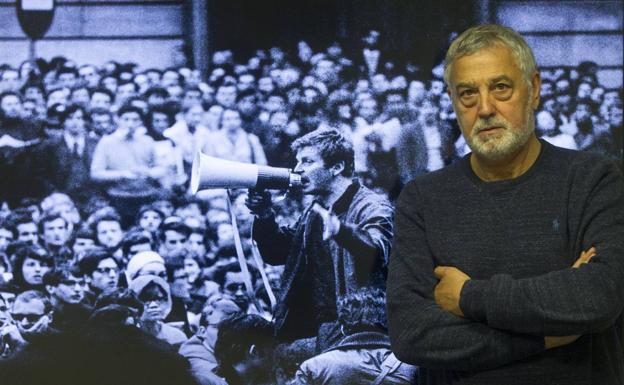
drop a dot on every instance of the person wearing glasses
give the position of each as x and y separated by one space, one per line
66 287
155 294
101 272
31 315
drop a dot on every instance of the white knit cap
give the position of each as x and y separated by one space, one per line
141 259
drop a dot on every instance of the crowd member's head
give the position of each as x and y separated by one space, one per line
74 120
171 77
101 98
231 280
149 218
108 230
57 96
9 80
362 310
6 234
231 120
129 118
178 277
156 96
82 240
135 241
158 119
31 263
89 75
322 157
80 95
54 231
155 295
109 82
101 270
244 350
32 313
192 96
146 263
67 77
509 105
197 242
125 91
119 307
173 238
24 227
11 105
65 285
193 115
226 95
102 122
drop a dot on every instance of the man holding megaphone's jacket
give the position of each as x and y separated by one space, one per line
341 241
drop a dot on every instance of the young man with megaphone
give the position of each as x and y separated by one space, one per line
340 243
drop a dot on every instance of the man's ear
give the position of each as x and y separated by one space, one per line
536 84
337 168
50 289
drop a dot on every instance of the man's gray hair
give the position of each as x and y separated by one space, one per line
483 36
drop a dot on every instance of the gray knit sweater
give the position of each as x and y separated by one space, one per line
517 240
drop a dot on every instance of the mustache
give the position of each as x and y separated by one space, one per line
484 124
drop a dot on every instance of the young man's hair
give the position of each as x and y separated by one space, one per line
35 295
92 258
332 146
66 70
135 237
362 310
60 274
232 267
236 336
11 93
129 108
156 90
108 217
178 227
102 90
18 217
50 217
119 296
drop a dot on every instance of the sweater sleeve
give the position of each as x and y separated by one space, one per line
421 332
370 238
569 301
274 242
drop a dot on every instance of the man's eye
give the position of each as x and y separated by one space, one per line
501 87
467 93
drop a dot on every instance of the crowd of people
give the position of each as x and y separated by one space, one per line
98 229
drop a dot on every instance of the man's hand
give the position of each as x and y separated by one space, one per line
259 203
555 342
448 290
585 257
331 223
12 336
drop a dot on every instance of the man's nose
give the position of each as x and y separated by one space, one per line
297 168
486 107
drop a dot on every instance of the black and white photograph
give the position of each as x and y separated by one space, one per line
321 192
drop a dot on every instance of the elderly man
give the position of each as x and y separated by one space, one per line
483 287
341 242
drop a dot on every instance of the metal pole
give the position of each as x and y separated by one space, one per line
32 54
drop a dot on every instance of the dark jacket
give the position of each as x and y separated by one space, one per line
358 359
61 170
359 253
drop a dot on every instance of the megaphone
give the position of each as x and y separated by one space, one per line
210 172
